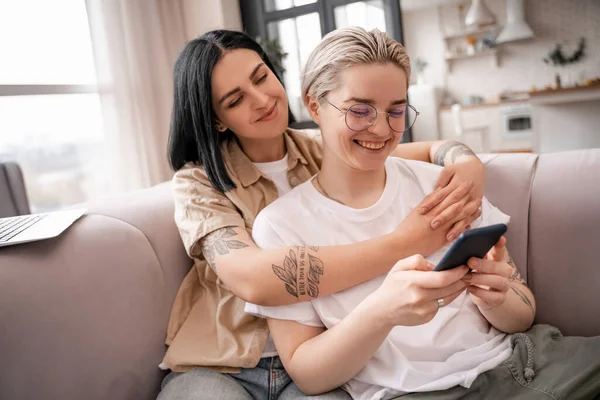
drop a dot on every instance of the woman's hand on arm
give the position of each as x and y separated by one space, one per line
426 229
407 297
499 292
460 165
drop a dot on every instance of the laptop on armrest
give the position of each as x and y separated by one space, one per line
34 227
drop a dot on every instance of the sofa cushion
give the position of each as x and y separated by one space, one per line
564 240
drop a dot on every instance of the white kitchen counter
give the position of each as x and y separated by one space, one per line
566 119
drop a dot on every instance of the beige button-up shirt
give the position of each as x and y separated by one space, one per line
208 326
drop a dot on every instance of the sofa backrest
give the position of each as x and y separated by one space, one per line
554 203
564 231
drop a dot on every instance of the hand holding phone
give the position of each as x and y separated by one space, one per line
472 243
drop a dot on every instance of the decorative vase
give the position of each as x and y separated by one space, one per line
557 84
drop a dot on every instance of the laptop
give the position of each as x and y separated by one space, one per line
34 227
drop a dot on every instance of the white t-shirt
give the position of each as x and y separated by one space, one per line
276 171
452 349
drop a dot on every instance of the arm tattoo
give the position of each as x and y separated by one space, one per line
220 242
523 297
461 150
298 281
440 154
454 148
516 277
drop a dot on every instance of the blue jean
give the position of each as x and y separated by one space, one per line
267 381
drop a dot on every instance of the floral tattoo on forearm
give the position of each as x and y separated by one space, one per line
301 272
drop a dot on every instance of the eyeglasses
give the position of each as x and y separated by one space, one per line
360 116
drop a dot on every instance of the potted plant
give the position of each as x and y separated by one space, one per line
557 58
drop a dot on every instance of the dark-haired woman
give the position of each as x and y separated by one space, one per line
234 154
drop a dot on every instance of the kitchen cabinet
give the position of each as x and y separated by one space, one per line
488 121
566 119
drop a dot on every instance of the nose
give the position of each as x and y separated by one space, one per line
259 98
380 127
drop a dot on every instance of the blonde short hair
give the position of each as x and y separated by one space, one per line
344 48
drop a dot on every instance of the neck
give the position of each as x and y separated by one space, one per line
349 186
263 150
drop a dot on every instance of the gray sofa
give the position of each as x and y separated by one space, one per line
83 316
13 197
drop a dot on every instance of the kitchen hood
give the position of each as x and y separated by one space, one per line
516 28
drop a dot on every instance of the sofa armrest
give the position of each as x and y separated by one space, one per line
84 315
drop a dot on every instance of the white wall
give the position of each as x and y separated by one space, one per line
521 65
204 15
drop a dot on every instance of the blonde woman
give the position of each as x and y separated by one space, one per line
414 333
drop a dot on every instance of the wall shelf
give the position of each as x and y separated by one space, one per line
475 32
493 53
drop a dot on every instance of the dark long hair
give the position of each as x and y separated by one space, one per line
193 135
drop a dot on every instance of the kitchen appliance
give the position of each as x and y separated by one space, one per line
479 15
515 121
516 28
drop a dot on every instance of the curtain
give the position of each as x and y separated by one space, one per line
135 45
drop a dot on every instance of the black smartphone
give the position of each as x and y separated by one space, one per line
472 243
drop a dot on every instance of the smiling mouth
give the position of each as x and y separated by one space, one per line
269 114
371 145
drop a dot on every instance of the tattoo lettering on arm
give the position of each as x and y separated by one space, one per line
301 272
454 149
220 242
516 277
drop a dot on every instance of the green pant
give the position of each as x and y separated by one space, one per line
544 365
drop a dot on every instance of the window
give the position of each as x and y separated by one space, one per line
299 25
50 116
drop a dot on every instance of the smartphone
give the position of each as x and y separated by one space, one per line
472 243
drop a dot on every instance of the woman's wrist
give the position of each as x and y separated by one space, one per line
398 245
374 312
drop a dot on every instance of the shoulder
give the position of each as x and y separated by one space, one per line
278 220
313 135
190 172
192 189
191 179
308 140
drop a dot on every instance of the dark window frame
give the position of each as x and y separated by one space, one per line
255 19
